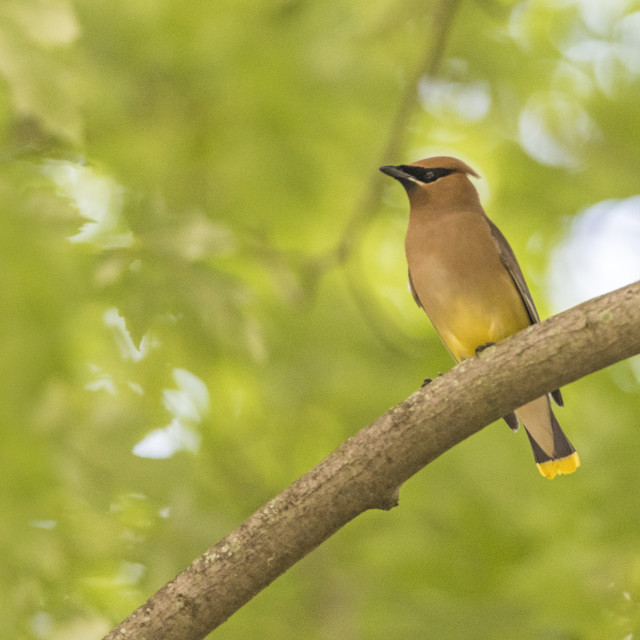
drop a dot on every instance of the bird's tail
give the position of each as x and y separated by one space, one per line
553 453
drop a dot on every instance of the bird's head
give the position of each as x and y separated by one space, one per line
438 179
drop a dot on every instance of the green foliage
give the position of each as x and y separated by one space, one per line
186 262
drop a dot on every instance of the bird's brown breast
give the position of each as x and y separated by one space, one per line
461 281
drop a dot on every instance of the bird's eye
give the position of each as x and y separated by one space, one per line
431 175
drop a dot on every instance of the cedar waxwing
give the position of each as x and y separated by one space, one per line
465 276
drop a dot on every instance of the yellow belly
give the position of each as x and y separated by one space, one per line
465 324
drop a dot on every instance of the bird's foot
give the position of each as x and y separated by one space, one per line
482 347
427 381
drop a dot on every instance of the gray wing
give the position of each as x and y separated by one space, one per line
509 261
414 293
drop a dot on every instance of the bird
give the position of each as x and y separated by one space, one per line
465 276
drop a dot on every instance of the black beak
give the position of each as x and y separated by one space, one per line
397 173
403 177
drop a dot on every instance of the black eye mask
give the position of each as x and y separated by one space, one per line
425 175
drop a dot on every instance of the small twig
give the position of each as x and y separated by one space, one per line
442 20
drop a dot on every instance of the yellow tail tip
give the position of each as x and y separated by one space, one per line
562 466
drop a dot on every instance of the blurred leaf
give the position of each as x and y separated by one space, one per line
176 183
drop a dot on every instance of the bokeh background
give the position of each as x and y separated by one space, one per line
203 293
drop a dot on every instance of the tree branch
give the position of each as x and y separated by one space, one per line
367 470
